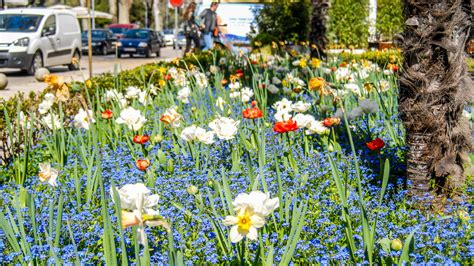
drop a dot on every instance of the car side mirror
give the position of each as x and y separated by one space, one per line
48 31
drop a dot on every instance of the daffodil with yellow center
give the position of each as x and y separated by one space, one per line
315 63
303 63
245 224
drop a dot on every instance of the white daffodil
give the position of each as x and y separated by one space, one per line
144 97
303 120
201 80
172 117
132 92
44 107
183 94
220 102
48 174
283 105
194 133
224 127
52 121
83 119
24 120
137 202
246 94
132 196
132 118
352 87
282 115
245 224
234 86
316 127
300 107
251 210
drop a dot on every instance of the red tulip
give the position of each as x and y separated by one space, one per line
142 164
141 139
331 121
252 113
107 114
285 126
375 144
239 73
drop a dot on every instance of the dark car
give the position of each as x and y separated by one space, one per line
139 41
103 41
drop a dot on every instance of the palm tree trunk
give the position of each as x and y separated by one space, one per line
434 89
113 10
317 34
124 11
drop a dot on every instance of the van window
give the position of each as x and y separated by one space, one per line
50 24
68 23
19 22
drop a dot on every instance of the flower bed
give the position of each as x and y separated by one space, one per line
250 159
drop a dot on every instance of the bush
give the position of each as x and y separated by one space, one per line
347 23
283 21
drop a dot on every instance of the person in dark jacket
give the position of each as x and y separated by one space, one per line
209 25
191 28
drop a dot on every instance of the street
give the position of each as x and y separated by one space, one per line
20 82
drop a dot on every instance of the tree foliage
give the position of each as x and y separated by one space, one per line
348 22
283 20
389 18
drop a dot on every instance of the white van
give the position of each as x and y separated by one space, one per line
31 38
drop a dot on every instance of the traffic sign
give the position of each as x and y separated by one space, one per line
176 3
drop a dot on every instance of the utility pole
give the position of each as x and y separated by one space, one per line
89 37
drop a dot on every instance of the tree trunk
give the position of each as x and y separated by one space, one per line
113 10
372 21
156 15
434 89
124 11
317 34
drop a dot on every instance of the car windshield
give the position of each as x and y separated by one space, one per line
118 30
137 34
19 22
95 34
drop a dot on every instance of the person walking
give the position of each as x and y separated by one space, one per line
209 25
191 28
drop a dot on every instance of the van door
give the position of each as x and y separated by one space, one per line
50 42
69 33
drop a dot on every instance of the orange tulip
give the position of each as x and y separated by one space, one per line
252 113
107 114
141 139
142 164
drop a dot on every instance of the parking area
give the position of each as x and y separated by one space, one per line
18 81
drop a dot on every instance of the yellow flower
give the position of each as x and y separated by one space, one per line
88 83
162 70
369 87
53 81
257 44
282 43
463 215
62 93
393 59
315 63
303 63
75 61
162 83
317 84
396 244
274 45
293 53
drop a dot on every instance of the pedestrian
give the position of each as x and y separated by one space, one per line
191 28
209 25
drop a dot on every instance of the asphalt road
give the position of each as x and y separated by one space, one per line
21 82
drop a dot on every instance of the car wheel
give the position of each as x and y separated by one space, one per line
148 52
75 60
105 49
158 52
131 55
119 55
36 63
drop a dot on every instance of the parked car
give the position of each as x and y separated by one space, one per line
180 42
103 41
161 37
169 36
120 29
139 41
31 38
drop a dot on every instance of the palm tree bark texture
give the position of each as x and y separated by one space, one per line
318 28
434 89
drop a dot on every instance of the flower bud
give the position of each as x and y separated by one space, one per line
192 190
396 244
158 138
